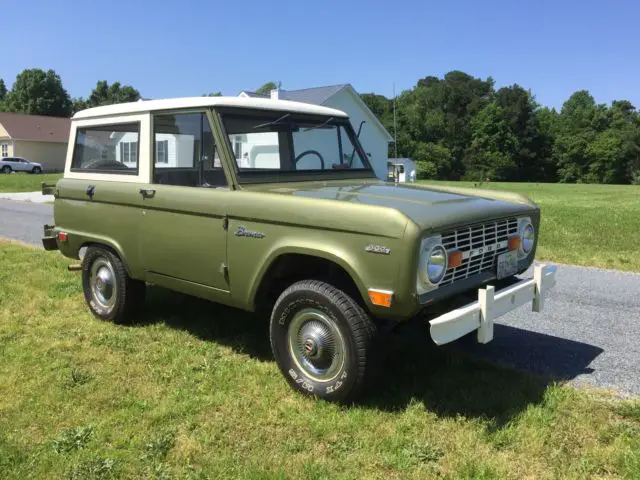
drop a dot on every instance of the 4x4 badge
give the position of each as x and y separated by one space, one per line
242 231
378 249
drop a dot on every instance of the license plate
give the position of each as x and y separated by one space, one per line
507 264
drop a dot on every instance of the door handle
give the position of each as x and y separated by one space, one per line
147 192
90 190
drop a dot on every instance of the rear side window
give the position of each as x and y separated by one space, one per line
107 149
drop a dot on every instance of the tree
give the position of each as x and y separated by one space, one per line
37 92
105 94
3 90
213 94
492 148
433 160
267 87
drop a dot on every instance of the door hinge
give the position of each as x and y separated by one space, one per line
225 222
224 271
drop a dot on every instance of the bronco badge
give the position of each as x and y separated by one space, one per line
242 231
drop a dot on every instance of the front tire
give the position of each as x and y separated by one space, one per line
108 290
322 341
36 170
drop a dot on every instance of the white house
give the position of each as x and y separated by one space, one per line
260 150
373 136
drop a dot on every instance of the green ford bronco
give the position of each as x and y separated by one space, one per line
269 204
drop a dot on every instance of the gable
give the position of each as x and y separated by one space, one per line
348 95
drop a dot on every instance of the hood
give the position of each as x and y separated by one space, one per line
430 207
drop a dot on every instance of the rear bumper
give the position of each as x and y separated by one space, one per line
480 315
50 240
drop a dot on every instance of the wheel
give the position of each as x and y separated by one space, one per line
6 169
36 170
108 290
322 341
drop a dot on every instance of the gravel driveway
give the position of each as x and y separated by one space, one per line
588 333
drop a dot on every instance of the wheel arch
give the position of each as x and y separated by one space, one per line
286 266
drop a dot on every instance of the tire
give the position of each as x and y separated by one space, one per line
108 290
322 341
36 170
6 169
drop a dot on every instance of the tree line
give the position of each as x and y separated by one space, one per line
39 92
457 127
461 128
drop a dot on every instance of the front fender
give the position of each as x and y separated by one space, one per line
249 258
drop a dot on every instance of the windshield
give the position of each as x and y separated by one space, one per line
283 144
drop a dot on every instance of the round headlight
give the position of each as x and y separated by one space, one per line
437 264
528 238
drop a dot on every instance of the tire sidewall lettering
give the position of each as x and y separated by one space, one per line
297 377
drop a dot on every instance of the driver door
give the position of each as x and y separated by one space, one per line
183 240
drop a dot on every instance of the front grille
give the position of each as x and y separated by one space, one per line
473 238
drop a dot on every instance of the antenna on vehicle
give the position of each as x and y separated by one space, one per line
395 129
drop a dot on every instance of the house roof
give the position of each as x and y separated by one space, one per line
199 102
315 95
255 95
319 96
35 128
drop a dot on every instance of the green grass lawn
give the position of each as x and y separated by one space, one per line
25 182
595 225
191 391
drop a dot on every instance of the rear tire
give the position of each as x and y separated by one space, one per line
109 291
6 169
322 341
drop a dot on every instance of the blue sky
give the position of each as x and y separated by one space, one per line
168 49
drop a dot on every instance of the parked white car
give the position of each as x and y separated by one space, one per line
17 164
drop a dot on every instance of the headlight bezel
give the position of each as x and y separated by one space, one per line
523 224
428 247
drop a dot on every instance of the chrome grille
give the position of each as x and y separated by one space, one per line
474 237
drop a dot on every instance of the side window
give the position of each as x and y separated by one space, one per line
184 151
107 149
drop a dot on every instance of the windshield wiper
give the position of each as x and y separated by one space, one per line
274 122
318 126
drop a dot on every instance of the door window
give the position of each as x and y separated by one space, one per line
184 151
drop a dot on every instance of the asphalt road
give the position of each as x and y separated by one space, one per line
589 332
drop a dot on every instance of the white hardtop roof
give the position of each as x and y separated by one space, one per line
200 102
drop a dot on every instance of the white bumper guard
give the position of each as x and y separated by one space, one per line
481 314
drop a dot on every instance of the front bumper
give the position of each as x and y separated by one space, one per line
480 315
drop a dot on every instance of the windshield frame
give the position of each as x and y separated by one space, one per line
247 176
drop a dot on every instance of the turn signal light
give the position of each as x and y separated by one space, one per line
382 298
62 236
514 243
455 259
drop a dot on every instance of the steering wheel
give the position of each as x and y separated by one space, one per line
309 152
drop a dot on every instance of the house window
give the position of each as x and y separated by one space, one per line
237 150
129 153
5 150
162 151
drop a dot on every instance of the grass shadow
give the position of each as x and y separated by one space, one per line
245 332
464 378
496 381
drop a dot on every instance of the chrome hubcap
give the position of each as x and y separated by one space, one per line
103 284
316 345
